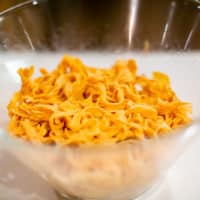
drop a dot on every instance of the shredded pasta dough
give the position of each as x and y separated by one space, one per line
78 104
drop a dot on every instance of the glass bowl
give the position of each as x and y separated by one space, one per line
120 171
125 170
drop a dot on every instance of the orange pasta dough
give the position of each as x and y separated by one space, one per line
78 104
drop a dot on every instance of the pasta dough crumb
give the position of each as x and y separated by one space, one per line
78 104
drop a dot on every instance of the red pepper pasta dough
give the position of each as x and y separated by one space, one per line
79 104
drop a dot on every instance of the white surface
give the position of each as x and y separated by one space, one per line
183 180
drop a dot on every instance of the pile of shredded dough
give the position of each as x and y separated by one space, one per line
78 104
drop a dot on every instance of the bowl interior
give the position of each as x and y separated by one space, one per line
182 68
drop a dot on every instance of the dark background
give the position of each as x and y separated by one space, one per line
94 24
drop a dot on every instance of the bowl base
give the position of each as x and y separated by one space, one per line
151 192
146 195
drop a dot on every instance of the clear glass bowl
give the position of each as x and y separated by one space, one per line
44 31
122 171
